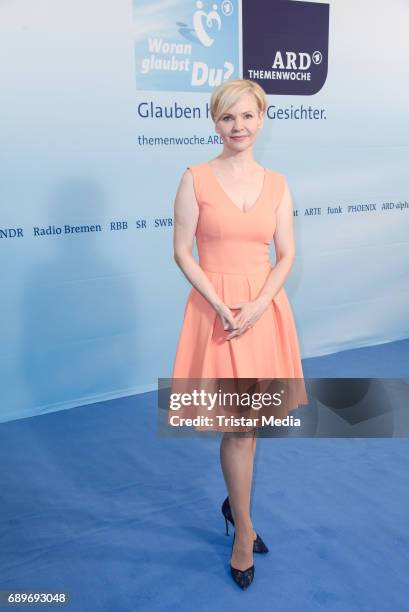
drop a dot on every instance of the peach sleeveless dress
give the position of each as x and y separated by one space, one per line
233 249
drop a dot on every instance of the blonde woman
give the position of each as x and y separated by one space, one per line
237 322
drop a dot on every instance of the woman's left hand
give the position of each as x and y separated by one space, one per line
249 313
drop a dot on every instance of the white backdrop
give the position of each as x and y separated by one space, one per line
96 314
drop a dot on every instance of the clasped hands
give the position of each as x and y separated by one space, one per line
249 313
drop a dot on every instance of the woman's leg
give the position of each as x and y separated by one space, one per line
237 457
254 446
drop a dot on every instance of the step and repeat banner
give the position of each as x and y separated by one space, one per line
104 104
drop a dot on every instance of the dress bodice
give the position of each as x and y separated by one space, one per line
228 239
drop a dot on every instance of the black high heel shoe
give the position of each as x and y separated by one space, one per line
258 544
243 578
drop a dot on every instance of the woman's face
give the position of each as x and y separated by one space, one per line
240 124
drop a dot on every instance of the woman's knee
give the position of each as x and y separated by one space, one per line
240 440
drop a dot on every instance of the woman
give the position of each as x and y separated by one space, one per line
237 322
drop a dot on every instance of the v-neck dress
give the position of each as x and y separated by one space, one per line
233 249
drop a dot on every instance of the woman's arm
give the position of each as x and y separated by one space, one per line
186 215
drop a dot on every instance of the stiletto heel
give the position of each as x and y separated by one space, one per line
258 544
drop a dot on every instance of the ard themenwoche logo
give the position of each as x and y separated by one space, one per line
285 45
185 46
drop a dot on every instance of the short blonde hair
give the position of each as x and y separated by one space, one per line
227 93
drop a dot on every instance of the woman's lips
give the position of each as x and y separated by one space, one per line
239 137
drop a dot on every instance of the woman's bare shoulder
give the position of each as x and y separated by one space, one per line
275 174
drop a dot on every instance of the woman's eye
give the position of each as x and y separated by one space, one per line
227 117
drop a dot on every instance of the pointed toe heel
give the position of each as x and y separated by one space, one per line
243 578
258 545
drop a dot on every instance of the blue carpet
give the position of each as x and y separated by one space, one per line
390 360
94 503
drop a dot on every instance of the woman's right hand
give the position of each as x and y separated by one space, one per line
226 317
